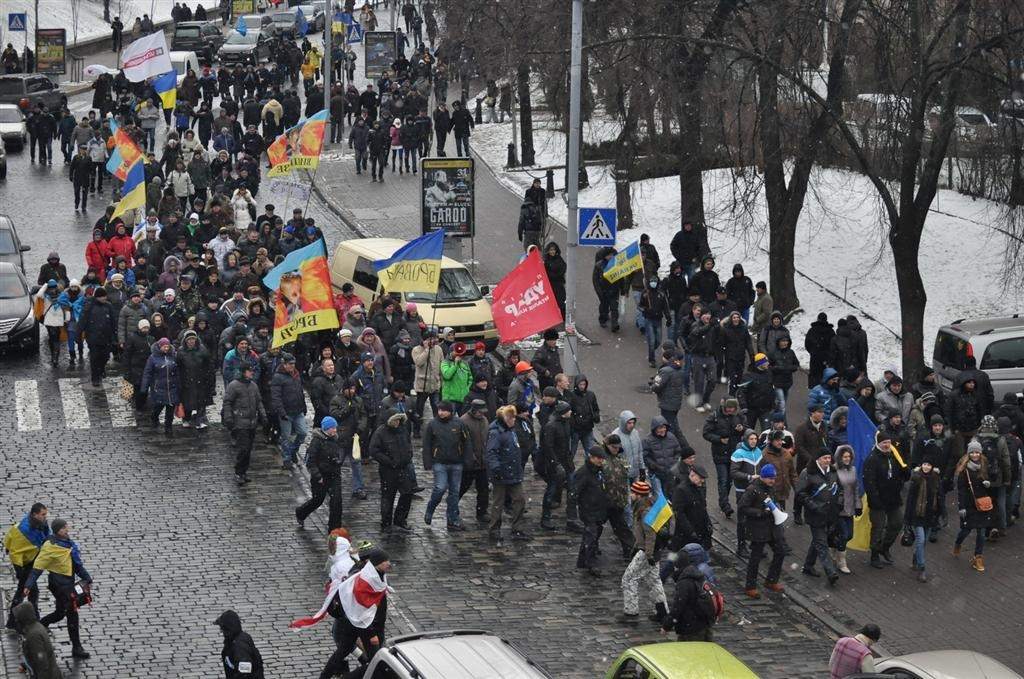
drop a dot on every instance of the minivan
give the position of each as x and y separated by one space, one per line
997 345
459 302
455 654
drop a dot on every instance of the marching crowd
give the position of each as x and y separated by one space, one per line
174 295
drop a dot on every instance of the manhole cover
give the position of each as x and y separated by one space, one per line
522 595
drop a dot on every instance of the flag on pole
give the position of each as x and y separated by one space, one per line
303 24
415 267
299 147
523 302
860 434
125 153
146 57
133 193
167 87
624 263
303 301
659 513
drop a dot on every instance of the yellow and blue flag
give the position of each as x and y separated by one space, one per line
166 86
659 513
624 263
415 267
133 193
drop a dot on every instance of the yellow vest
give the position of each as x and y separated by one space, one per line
54 558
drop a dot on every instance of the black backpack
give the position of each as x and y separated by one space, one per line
990 448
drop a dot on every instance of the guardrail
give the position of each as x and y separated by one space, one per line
77 71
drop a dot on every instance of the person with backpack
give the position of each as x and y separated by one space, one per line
754 507
997 455
643 568
696 607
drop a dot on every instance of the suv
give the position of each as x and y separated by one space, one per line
28 89
11 246
454 654
251 48
286 23
997 344
202 37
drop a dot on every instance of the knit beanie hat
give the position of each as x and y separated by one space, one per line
640 487
767 471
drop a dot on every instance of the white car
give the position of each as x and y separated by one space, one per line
943 665
12 126
182 61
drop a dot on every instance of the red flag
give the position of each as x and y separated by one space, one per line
523 301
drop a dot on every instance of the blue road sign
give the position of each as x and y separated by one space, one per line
597 226
16 21
354 34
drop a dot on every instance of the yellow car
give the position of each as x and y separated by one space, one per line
678 660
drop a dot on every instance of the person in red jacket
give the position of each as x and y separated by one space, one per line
122 244
97 254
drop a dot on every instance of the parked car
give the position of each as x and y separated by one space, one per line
202 37
26 90
455 654
182 61
969 123
678 660
997 344
12 126
19 328
314 17
11 247
3 160
259 22
940 665
286 23
251 48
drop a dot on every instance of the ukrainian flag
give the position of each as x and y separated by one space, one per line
624 263
125 153
133 193
167 87
659 513
415 267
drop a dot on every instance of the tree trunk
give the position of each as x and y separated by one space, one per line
526 152
1016 196
905 239
691 163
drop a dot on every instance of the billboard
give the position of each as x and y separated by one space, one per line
50 51
240 7
448 198
381 51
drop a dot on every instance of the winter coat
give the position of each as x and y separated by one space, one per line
99 323
720 426
502 456
842 351
547 362
351 416
887 403
808 441
445 442
689 505
703 339
685 616
755 391
36 646
238 649
969 487
196 376
740 290
160 377
705 283
758 520
744 463
785 467
136 355
859 340
827 397
128 320
924 499
324 456
632 443
590 487
818 340
688 246
661 452
554 453
456 379
963 408
286 396
737 345
783 364
669 386
763 306
243 406
586 414
390 444
768 337
883 479
476 428
428 368
821 495
323 390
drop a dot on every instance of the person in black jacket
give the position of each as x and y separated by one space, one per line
99 325
391 447
80 175
690 508
740 290
883 478
760 529
553 463
655 309
586 414
442 124
723 429
555 266
445 447
685 616
240 657
595 508
347 410
964 410
822 498
241 413
687 246
783 364
461 124
703 344
607 292
756 393
706 280
324 458
818 342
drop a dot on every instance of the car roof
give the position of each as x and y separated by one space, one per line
956 664
191 23
465 654
382 248
684 659
14 106
986 326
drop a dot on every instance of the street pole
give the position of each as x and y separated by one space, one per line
571 355
328 36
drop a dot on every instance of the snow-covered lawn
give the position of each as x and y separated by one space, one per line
840 243
58 14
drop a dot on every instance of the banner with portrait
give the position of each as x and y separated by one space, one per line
303 301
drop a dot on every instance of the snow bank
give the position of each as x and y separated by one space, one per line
58 14
840 244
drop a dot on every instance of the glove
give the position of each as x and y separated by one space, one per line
963 513
986 483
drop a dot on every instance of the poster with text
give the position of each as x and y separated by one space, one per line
50 51
381 52
448 198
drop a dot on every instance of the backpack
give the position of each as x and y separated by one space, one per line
710 603
990 448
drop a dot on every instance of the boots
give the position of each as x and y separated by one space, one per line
841 563
978 563
659 613
876 559
77 650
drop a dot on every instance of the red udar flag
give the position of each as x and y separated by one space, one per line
523 303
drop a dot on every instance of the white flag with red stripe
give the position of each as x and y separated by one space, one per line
359 596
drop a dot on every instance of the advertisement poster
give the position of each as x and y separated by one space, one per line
240 7
448 196
50 48
381 52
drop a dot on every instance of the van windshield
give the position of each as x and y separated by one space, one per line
950 350
456 285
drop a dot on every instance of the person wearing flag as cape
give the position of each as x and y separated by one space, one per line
22 542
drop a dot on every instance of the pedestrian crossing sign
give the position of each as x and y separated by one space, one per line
16 21
597 226
354 34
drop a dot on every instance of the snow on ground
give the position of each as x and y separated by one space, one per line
840 243
58 14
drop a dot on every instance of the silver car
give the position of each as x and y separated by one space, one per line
12 126
996 344
943 665
455 654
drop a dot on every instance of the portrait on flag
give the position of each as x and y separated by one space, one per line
299 147
303 301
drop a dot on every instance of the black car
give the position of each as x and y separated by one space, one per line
251 48
10 245
202 37
19 328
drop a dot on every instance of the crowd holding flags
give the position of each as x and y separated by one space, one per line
415 267
125 153
624 263
166 86
298 148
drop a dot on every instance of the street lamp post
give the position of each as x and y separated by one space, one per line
571 355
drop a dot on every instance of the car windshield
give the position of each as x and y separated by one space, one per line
237 38
11 286
11 86
186 32
6 243
456 286
10 115
284 17
973 118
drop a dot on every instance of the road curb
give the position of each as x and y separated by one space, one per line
334 207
